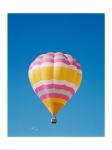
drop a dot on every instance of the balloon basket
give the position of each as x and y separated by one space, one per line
53 120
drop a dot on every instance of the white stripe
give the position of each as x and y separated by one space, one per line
64 57
57 64
59 82
78 64
60 57
57 91
48 57
70 59
38 59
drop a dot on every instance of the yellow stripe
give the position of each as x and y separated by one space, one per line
57 100
57 73
54 105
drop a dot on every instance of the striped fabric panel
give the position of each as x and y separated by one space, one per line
58 64
54 86
55 82
56 61
54 91
50 60
54 95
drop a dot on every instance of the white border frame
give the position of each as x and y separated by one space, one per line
49 6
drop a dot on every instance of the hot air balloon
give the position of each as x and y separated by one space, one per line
55 78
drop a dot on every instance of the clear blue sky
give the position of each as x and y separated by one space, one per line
82 36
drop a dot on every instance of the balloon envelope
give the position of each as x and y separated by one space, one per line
55 78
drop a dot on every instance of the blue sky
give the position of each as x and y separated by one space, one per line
82 36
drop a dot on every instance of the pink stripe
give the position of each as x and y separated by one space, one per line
50 54
56 86
74 62
48 60
62 60
54 95
79 67
41 56
51 61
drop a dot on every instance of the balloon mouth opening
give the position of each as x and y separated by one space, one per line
54 120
